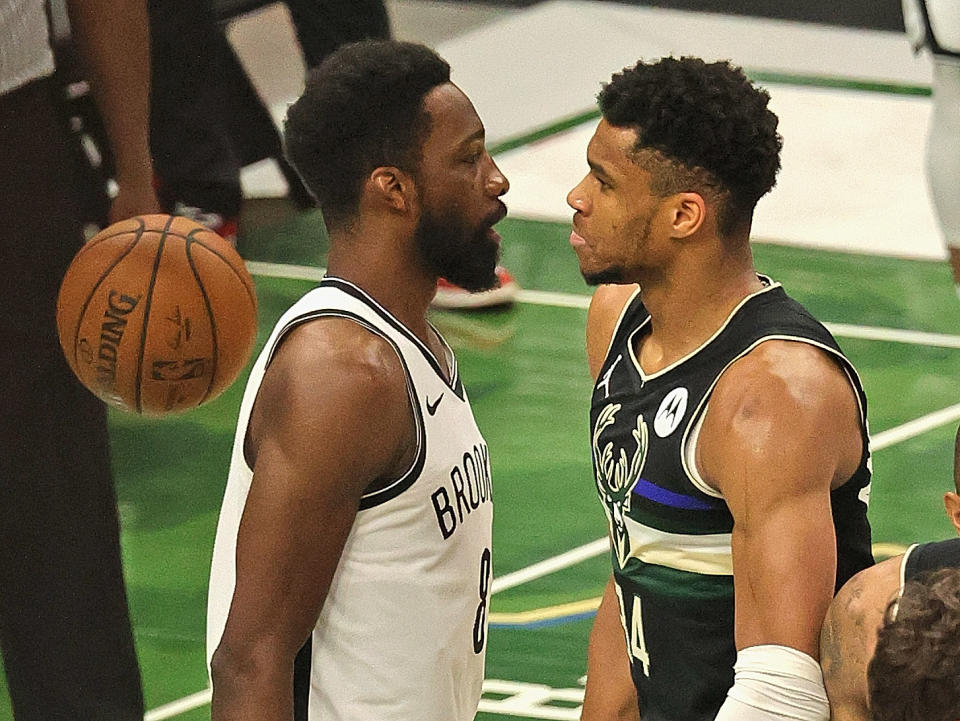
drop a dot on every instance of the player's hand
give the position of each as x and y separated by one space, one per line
133 198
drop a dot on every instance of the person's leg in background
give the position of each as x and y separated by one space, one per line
64 625
935 26
195 158
943 156
324 25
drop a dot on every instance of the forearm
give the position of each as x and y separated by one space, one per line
610 694
785 560
113 39
247 688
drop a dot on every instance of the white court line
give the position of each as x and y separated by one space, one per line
548 566
894 335
175 708
283 270
576 300
914 428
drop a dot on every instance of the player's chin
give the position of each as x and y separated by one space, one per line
601 276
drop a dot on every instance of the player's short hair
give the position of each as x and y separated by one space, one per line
362 108
915 671
701 127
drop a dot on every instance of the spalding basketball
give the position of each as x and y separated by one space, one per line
157 314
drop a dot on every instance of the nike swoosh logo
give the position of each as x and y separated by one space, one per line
432 407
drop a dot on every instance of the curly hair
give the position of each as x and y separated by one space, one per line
701 127
362 108
915 671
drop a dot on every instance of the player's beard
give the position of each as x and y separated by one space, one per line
617 273
613 275
465 256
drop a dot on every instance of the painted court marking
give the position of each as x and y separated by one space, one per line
175 708
520 694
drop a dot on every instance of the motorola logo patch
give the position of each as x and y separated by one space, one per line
671 411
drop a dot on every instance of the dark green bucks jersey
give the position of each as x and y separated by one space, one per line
670 531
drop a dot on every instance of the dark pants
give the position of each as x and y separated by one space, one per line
324 25
207 120
64 626
198 91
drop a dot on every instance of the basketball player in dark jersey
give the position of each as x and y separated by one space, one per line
729 435
849 639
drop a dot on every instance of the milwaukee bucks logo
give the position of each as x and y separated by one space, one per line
616 476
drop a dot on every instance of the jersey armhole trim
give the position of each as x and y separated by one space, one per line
409 477
903 578
689 453
616 328
688 445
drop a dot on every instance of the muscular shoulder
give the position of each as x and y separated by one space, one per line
849 636
331 376
334 356
781 374
606 307
785 401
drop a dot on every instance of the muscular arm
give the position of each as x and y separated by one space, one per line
781 430
114 44
332 417
610 694
849 637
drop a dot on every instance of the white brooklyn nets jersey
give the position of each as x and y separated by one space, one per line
402 633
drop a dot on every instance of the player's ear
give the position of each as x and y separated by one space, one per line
951 502
687 214
393 187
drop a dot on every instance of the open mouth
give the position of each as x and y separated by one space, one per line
492 220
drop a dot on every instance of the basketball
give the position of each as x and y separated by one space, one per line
157 314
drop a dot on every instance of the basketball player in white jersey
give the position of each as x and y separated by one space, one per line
351 571
935 25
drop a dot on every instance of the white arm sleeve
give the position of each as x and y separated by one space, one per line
772 683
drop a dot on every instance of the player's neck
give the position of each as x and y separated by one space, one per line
687 308
381 268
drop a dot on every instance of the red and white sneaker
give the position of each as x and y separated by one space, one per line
453 297
223 226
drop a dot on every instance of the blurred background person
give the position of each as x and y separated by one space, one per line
65 633
935 26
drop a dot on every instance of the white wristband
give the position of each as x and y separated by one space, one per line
775 682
